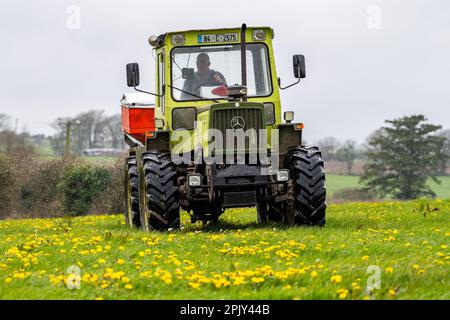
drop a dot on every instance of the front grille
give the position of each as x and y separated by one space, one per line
221 118
237 118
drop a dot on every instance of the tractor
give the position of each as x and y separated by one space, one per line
214 137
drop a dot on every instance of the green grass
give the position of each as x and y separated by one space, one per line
274 262
337 182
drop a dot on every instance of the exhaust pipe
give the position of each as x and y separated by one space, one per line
244 60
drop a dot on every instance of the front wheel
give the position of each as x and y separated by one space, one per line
307 171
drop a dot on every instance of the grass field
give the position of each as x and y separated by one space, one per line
235 259
336 182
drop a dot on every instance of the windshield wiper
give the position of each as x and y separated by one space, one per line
193 94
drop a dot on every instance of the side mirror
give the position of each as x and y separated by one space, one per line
132 74
299 66
187 73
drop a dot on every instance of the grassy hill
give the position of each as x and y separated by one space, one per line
406 243
336 182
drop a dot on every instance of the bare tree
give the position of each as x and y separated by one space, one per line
329 147
348 153
113 127
5 122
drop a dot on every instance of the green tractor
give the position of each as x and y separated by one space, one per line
214 137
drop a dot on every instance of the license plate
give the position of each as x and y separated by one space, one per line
223 37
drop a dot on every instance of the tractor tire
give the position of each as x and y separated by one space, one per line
307 171
132 215
161 209
261 207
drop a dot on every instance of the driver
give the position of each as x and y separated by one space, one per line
204 76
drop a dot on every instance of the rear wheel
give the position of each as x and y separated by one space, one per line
132 216
307 170
161 209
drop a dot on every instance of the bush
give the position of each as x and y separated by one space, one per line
6 184
354 194
39 188
112 199
81 185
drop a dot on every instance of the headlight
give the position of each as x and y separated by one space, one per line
194 180
282 175
259 35
159 123
183 118
177 39
269 111
289 116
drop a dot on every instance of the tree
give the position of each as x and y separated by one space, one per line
91 129
4 122
113 128
328 147
446 135
401 157
348 153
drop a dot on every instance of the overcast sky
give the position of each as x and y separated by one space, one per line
367 61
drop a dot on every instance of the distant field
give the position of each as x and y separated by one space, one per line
336 182
235 259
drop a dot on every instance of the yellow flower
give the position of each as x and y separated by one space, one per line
336 279
128 286
238 281
125 279
392 292
194 285
314 274
343 293
365 258
120 261
389 270
257 279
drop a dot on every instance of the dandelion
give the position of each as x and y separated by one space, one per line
365 258
336 279
389 270
314 274
128 286
194 285
120 261
257 279
342 293
392 292
239 281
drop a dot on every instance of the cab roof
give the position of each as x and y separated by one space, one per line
162 37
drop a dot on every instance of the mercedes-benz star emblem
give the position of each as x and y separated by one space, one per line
237 123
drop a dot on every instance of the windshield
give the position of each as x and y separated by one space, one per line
199 70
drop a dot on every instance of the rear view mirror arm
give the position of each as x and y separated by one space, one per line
153 94
292 84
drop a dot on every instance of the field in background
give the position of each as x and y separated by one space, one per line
402 242
335 182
